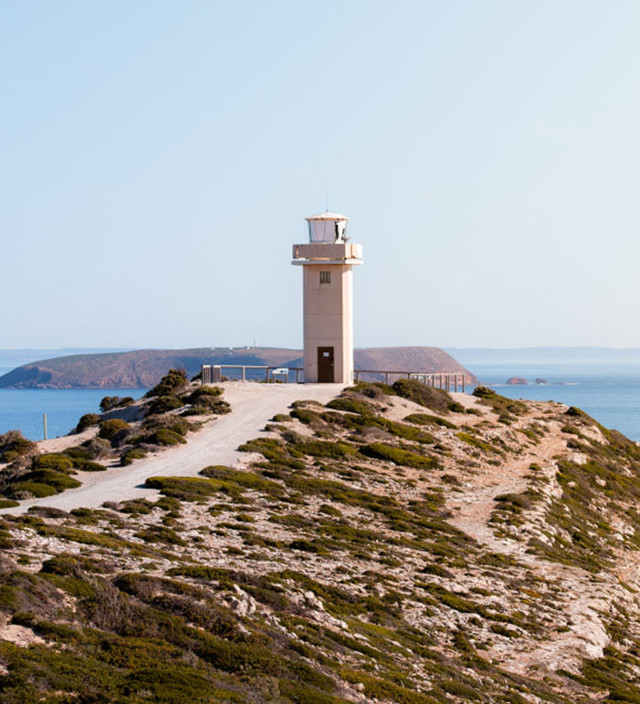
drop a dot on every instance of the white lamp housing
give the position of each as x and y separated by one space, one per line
327 227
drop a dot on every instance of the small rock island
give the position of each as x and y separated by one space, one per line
516 381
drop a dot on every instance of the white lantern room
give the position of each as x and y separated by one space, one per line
327 227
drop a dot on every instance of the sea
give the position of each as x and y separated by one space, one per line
608 391
23 409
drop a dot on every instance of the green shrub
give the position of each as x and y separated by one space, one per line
87 420
160 534
109 402
15 445
88 465
506 408
375 389
196 397
21 490
110 428
164 404
174 380
184 488
304 415
218 406
427 419
459 689
427 396
58 480
129 456
59 462
351 405
303 694
165 437
398 456
169 421
275 451
77 452
196 411
384 690
8 503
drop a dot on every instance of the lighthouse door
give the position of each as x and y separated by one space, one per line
325 365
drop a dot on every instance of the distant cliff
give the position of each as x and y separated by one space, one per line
144 368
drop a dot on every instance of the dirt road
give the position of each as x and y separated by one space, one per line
253 405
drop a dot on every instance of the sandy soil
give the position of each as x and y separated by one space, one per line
253 406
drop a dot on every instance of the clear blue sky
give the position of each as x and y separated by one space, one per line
157 160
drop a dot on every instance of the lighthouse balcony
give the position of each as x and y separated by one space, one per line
327 253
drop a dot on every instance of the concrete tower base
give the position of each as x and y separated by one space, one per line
328 309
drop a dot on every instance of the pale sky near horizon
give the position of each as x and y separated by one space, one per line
157 161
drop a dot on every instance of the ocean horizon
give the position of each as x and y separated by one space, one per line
609 392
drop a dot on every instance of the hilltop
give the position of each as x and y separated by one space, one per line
397 545
144 368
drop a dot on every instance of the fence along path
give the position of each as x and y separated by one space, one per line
213 374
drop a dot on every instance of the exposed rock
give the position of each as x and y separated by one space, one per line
516 381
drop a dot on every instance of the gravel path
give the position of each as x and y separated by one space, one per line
253 405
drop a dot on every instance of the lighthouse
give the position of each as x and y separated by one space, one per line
327 261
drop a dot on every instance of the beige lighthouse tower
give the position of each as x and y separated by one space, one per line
327 262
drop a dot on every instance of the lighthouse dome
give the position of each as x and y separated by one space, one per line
327 227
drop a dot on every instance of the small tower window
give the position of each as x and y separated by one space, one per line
325 277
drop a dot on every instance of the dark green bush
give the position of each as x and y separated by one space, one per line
88 465
14 445
406 458
109 428
351 405
174 380
506 408
109 402
196 396
184 488
427 419
427 396
58 480
169 421
78 452
129 456
160 534
165 437
55 461
374 389
164 404
218 406
87 420
21 490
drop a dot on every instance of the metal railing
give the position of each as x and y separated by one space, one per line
213 374
448 381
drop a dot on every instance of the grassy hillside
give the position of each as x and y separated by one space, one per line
394 546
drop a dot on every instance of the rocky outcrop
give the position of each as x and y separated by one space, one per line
516 381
